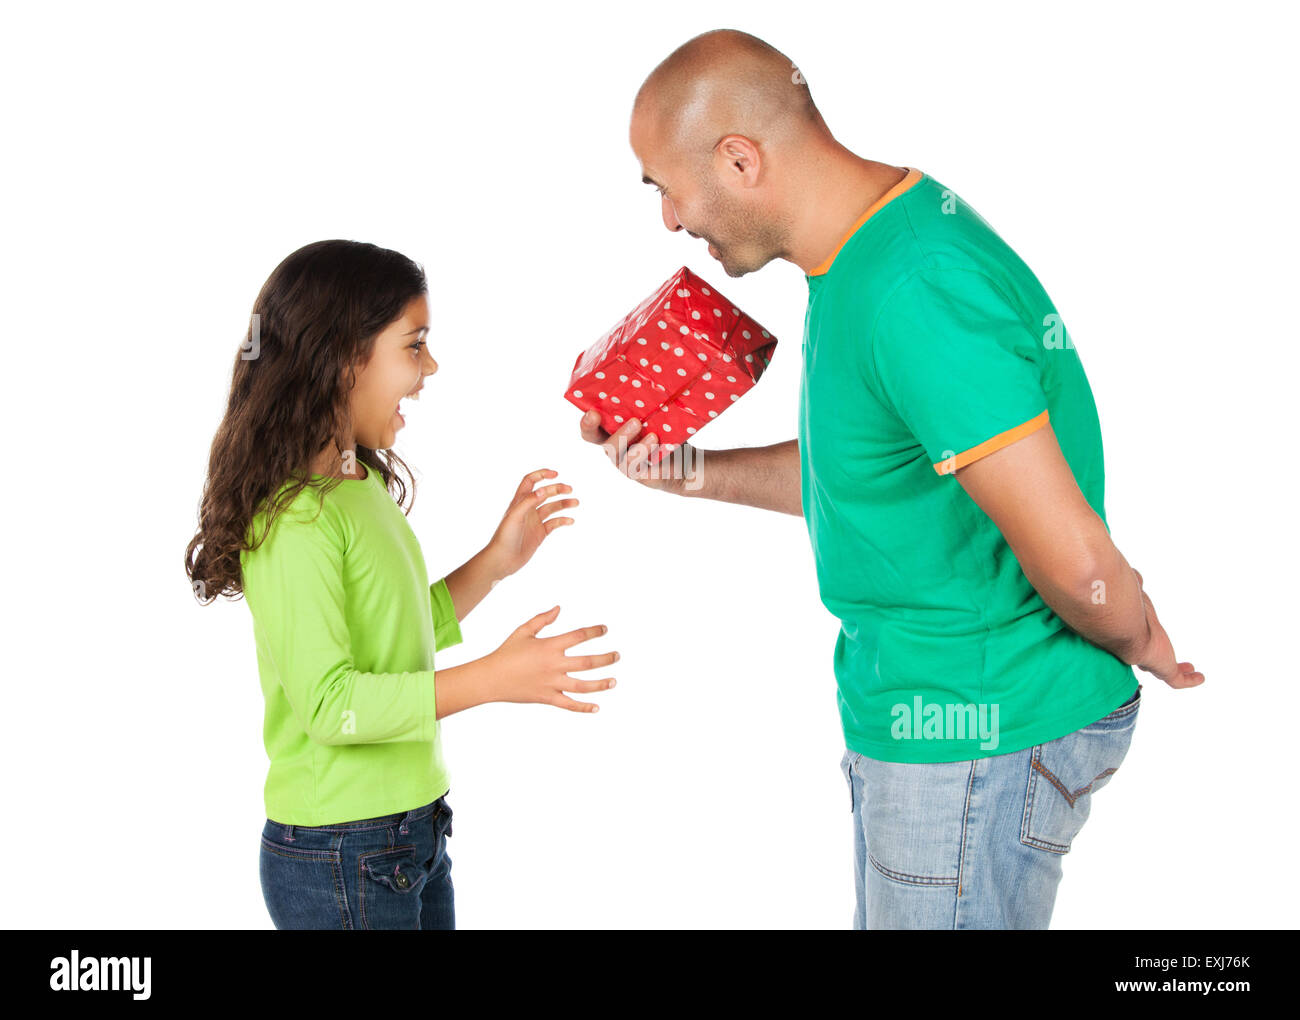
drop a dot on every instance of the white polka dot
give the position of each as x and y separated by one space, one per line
663 344
686 393
749 357
684 329
745 333
704 291
703 356
690 430
733 396
726 357
735 311
644 361
602 396
765 333
724 334
600 375
717 313
707 376
695 315
683 292
657 368
640 339
667 427
622 378
662 324
637 382
640 403
681 371
731 378
708 395
678 351
577 393
713 414
618 417
613 400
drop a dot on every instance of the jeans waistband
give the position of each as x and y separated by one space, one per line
403 817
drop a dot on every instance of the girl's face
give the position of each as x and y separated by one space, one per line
398 364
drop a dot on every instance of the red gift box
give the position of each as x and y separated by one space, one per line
680 359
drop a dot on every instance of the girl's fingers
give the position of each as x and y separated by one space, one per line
564 701
556 507
587 686
531 479
539 621
578 663
559 522
576 637
535 498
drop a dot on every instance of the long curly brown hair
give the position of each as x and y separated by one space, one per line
313 327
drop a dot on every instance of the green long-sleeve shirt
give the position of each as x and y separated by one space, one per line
346 624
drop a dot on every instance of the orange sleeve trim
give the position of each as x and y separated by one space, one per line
950 464
913 175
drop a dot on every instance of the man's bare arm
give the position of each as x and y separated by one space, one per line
766 477
1066 553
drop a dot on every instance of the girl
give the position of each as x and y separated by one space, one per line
300 513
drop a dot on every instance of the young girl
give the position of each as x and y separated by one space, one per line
297 513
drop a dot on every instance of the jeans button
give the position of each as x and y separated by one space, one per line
401 880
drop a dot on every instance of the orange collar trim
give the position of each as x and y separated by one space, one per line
913 175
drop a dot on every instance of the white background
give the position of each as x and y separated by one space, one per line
159 161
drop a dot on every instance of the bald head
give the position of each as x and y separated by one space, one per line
726 130
725 82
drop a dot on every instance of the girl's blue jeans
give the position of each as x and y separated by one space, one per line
976 844
387 872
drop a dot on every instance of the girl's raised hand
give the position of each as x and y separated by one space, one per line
525 523
527 668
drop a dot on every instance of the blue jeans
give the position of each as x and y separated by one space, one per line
387 872
976 844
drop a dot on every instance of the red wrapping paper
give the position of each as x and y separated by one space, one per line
680 359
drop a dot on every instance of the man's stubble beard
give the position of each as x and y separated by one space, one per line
741 226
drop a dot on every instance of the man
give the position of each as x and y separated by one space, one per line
949 469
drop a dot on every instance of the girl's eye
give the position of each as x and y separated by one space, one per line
417 345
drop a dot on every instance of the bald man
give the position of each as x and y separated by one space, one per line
949 468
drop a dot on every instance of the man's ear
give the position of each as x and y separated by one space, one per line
740 155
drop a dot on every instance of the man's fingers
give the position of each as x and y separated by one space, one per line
1190 673
617 444
591 430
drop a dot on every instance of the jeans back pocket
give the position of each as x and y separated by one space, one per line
391 882
1066 772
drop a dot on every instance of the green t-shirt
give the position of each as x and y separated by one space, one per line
928 343
346 625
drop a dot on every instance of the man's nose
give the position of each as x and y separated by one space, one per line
669 214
